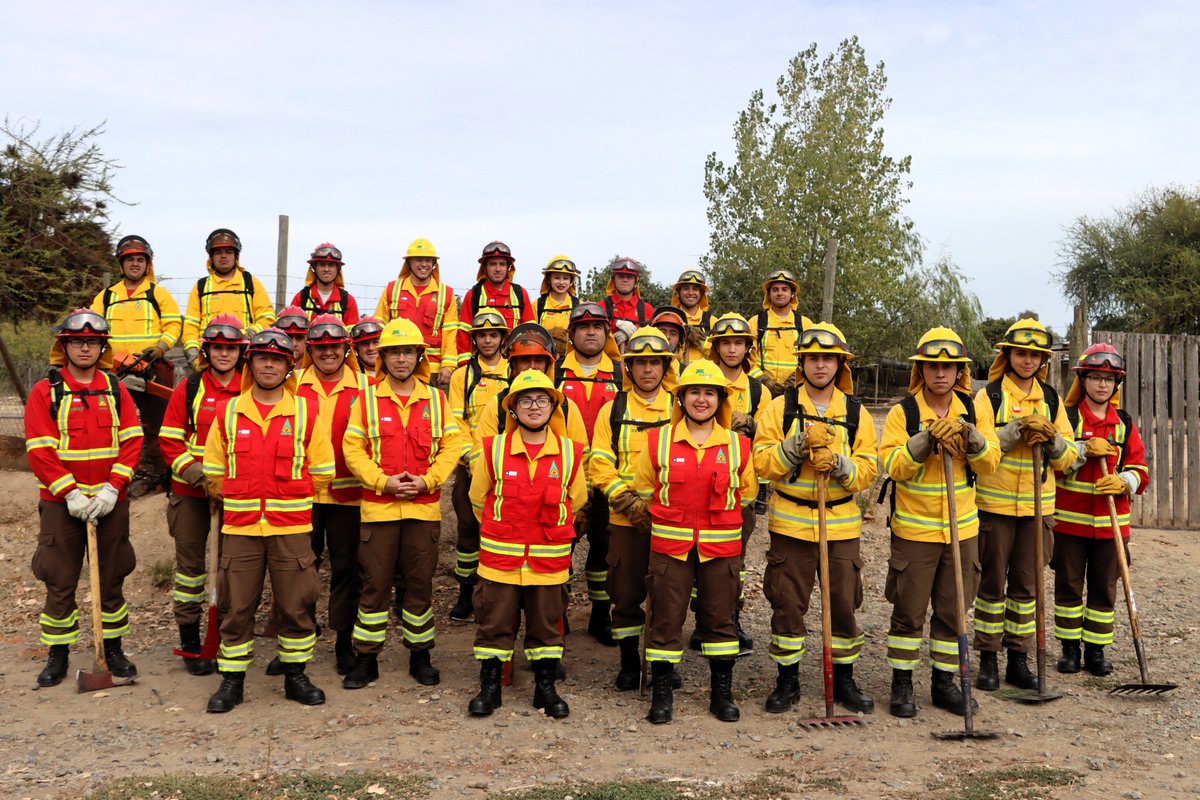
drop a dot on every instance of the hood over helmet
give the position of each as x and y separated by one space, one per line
82 323
274 341
496 249
781 276
626 265
327 253
692 277
732 326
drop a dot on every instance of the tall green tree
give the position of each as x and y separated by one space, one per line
809 167
54 243
1140 267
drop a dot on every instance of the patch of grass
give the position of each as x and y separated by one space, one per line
628 790
1014 783
303 786
162 574
825 784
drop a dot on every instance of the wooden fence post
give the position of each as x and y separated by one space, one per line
281 264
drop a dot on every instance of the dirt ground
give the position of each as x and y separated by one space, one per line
57 743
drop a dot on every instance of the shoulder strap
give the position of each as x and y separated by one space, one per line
107 301
475 299
616 416
1127 422
193 389
791 407
641 310
609 306
995 395
762 333
756 392
853 413
470 380
912 415
500 411
519 293
1073 418
968 404
541 308
558 372
1051 395
57 392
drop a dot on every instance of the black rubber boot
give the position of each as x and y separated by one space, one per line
297 686
464 607
745 640
343 653
988 677
600 624
787 689
488 699
545 696
229 694
846 691
945 693
421 669
189 642
1017 672
366 670
1069 663
56 666
274 666
760 502
662 701
720 702
118 664
1094 660
676 678
902 703
630 673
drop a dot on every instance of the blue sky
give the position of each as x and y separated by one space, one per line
583 127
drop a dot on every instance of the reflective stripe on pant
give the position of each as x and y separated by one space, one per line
188 522
466 548
414 543
339 525
1005 611
498 608
1077 561
58 562
921 573
245 561
669 583
628 561
791 574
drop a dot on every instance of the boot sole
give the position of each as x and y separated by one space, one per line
46 684
199 666
306 702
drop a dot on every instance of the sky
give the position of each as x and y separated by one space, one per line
582 128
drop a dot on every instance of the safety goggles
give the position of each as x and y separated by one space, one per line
1113 361
366 330
326 253
327 332
691 277
497 249
84 323
588 312
648 345
627 265
539 401
731 327
938 347
222 332
490 321
1028 337
562 265
817 337
781 276
272 341
292 323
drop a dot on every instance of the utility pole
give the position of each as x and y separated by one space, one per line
831 247
281 264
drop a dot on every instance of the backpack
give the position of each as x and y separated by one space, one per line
514 290
58 391
640 306
339 307
471 380
616 418
996 395
110 300
247 292
1126 420
763 319
756 393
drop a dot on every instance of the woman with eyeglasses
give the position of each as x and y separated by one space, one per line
1083 551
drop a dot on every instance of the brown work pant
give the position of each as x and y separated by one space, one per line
1079 560
58 560
466 548
793 566
920 573
596 565
339 529
669 584
415 543
498 609
245 562
749 520
628 562
151 410
1005 609
189 521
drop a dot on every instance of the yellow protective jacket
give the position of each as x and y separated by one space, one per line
133 319
1009 490
614 456
240 294
776 356
792 510
488 381
741 397
921 511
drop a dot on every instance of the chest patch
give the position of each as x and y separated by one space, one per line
286 430
721 457
554 474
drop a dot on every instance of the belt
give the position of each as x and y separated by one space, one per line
813 503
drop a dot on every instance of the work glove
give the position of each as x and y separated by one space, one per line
624 330
103 503
920 445
976 441
562 339
795 447
1036 429
1110 484
843 469
582 519
820 434
1056 446
744 424
78 504
694 337
193 474
193 358
950 434
154 352
790 383
1131 481
1009 435
822 458
630 506
1096 447
773 386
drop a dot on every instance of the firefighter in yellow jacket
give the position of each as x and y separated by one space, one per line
1027 413
690 295
936 413
227 288
144 321
526 490
816 427
776 327
560 294
402 444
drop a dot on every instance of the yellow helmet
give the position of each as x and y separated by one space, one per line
421 247
401 332
1028 334
941 344
693 277
529 380
561 263
702 372
489 320
822 337
650 342
730 326
782 276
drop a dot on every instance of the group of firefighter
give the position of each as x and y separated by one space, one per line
654 433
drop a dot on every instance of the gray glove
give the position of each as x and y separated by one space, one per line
1131 480
103 503
843 469
1009 435
920 445
795 447
976 443
1056 446
193 356
78 504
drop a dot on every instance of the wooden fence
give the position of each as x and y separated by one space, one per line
1162 394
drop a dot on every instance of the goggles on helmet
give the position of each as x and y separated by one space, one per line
647 345
292 322
1112 361
691 276
1023 337
936 347
562 265
496 249
370 328
326 252
330 332
781 276
627 265
223 332
817 337
84 323
731 327
587 312
272 340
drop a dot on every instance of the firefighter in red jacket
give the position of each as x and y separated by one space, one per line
1083 548
267 456
83 441
402 444
589 375
494 288
365 335
526 489
696 476
193 406
622 302
324 289
419 295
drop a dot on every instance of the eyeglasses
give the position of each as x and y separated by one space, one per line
936 347
526 403
818 337
80 343
1101 377
327 331
1111 360
647 344
1028 336
327 253
496 248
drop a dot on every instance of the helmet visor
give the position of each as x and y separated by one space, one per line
366 330
84 323
935 348
1028 337
220 332
1112 361
326 253
816 337
731 327
327 332
647 345
497 249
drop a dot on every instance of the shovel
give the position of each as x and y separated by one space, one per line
212 634
964 652
829 720
99 678
1041 695
1145 687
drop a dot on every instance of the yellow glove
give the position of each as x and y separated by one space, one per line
743 423
562 340
823 458
1036 429
1096 447
820 434
945 429
1110 484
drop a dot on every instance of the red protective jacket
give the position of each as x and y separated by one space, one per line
1078 510
511 300
185 430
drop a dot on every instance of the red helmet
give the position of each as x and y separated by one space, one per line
83 323
366 329
131 245
626 265
223 237
292 318
587 312
272 341
326 252
327 329
1102 357
496 249
224 328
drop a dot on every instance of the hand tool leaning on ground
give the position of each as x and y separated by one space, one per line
212 634
829 720
1039 602
99 678
964 652
1145 687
